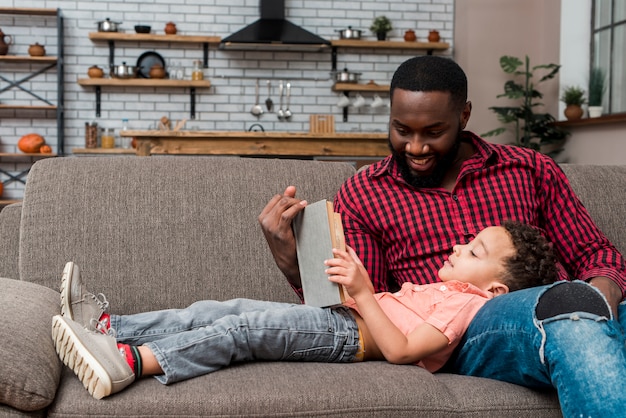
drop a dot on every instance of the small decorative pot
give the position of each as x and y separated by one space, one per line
409 36
36 50
433 36
95 72
381 36
170 28
595 111
573 112
157 71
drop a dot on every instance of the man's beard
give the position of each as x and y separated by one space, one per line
433 179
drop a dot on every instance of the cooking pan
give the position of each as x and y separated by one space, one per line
123 71
349 33
108 26
346 76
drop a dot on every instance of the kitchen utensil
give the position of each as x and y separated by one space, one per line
280 113
146 61
4 46
257 110
288 113
123 71
268 102
321 124
349 33
142 29
346 76
108 25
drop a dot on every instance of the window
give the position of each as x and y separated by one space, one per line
608 43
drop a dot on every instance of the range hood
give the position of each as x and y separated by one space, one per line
273 32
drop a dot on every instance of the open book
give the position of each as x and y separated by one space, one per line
318 230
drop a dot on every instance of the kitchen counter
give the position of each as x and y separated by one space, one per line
285 144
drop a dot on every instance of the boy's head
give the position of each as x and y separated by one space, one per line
503 258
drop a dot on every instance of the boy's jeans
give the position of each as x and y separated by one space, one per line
582 354
209 335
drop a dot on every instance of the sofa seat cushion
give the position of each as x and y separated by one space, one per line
29 367
285 389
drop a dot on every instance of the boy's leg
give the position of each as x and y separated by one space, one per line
577 349
293 333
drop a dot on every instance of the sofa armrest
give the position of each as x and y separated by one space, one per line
9 240
30 370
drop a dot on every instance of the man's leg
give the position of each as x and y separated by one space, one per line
557 336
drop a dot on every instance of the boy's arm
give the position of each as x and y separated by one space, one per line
425 340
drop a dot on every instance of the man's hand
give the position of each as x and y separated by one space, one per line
276 219
611 291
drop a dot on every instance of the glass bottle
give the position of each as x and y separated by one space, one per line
125 140
107 140
197 73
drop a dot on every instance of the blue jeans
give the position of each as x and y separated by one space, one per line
209 335
582 355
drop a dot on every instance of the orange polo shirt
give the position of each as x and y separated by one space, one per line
449 307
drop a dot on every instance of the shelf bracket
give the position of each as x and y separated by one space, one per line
111 54
205 54
345 109
333 57
98 93
192 99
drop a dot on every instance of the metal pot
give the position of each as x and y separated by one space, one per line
349 33
346 76
123 71
108 25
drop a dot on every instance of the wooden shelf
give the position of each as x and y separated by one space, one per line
121 36
28 58
26 107
358 43
143 82
20 155
104 151
28 11
347 87
602 120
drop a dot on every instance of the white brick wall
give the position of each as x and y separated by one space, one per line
226 106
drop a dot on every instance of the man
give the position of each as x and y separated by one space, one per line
442 185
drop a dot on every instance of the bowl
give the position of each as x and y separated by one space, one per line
142 29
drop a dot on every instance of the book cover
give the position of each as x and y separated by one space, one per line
318 230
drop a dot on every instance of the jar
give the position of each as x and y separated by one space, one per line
170 28
157 71
409 35
95 72
91 135
36 50
107 140
197 72
433 36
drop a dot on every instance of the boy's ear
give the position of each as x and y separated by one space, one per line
498 288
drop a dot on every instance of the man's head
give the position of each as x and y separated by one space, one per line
503 258
429 109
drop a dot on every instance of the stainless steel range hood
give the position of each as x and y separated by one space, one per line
273 32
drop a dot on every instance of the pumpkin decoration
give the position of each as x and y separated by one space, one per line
1 188
31 143
45 149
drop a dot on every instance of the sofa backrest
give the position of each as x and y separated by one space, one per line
602 190
162 232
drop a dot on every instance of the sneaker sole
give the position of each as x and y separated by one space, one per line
78 358
66 289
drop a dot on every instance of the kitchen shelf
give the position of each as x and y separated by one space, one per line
26 58
143 82
27 107
104 151
347 87
27 11
358 43
122 36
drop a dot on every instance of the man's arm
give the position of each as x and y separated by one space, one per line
611 291
276 220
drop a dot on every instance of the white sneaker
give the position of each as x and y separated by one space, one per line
93 356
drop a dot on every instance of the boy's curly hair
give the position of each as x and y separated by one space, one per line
534 262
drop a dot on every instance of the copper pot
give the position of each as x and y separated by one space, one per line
170 28
95 72
36 50
157 71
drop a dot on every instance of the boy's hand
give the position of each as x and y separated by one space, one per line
347 270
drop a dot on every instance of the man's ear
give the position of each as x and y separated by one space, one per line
498 288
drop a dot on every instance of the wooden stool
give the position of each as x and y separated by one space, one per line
321 124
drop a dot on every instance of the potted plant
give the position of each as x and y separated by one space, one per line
574 98
380 26
532 130
597 87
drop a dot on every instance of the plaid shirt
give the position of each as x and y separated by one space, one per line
403 234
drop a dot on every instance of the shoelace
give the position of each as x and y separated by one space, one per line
103 327
101 300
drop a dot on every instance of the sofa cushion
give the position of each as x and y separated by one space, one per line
29 367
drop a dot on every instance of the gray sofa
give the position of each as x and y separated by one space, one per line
162 232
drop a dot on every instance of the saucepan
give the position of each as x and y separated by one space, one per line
349 33
108 25
346 76
124 71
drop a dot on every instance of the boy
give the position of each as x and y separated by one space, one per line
418 325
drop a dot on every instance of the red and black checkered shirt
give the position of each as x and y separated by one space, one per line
403 234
